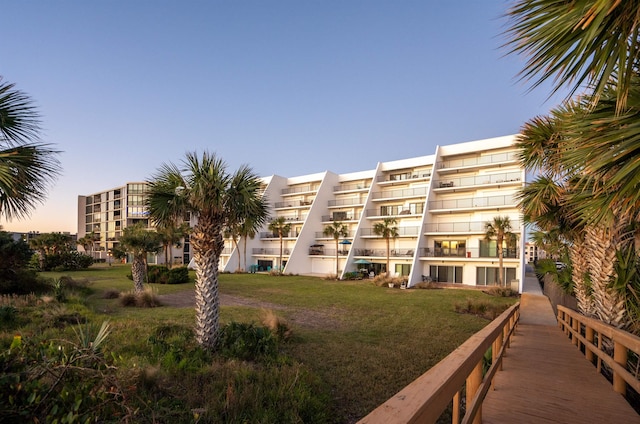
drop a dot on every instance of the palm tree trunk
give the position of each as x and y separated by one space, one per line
207 245
388 255
337 276
281 245
138 273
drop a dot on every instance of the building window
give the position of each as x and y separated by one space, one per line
403 269
456 248
416 208
488 276
446 274
489 249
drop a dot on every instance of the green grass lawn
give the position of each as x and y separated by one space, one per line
363 342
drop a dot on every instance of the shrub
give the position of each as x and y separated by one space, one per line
21 281
247 342
157 274
7 313
502 292
178 275
481 308
144 299
67 261
111 294
277 325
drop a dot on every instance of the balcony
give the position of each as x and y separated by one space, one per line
471 182
382 253
404 177
468 252
298 190
272 235
400 193
476 162
320 235
292 204
395 211
351 187
402 232
340 218
269 251
313 251
474 203
470 227
344 202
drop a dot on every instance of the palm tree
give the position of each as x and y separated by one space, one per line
27 167
336 230
281 228
500 230
387 230
87 242
578 43
203 186
138 241
247 230
171 234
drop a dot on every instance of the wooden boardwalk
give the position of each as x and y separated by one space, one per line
545 379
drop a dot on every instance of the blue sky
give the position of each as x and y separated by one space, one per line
288 87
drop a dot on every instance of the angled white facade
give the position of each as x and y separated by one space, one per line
440 202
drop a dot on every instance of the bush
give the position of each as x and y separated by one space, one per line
247 342
157 274
277 325
178 275
144 299
21 281
502 292
67 261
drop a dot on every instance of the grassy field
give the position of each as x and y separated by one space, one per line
363 342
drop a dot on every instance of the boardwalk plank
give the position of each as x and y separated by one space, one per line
545 379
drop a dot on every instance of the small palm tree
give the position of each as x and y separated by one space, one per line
280 227
500 230
336 230
138 241
248 230
171 234
87 242
203 187
27 167
387 230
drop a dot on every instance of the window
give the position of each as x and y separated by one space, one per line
456 248
489 249
488 276
416 208
403 269
339 216
446 274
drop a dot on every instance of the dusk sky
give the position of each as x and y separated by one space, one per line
287 87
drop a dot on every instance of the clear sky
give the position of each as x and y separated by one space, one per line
288 87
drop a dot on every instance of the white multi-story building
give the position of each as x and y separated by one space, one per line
440 204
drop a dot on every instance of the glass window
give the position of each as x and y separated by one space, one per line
446 274
403 269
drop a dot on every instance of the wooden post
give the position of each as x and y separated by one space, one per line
473 382
455 413
589 335
620 354
576 330
495 351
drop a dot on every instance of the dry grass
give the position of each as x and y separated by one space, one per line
145 299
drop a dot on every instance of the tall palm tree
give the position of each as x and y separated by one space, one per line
249 229
203 187
336 230
280 227
577 43
138 241
387 230
500 230
27 166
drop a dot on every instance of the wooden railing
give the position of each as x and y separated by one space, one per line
602 343
426 398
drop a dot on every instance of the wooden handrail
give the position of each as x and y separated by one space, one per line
571 322
426 398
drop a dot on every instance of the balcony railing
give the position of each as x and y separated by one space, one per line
351 187
461 227
327 252
269 235
348 217
298 189
402 231
468 252
478 160
480 180
404 177
269 251
392 211
320 234
292 204
400 193
344 202
472 202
